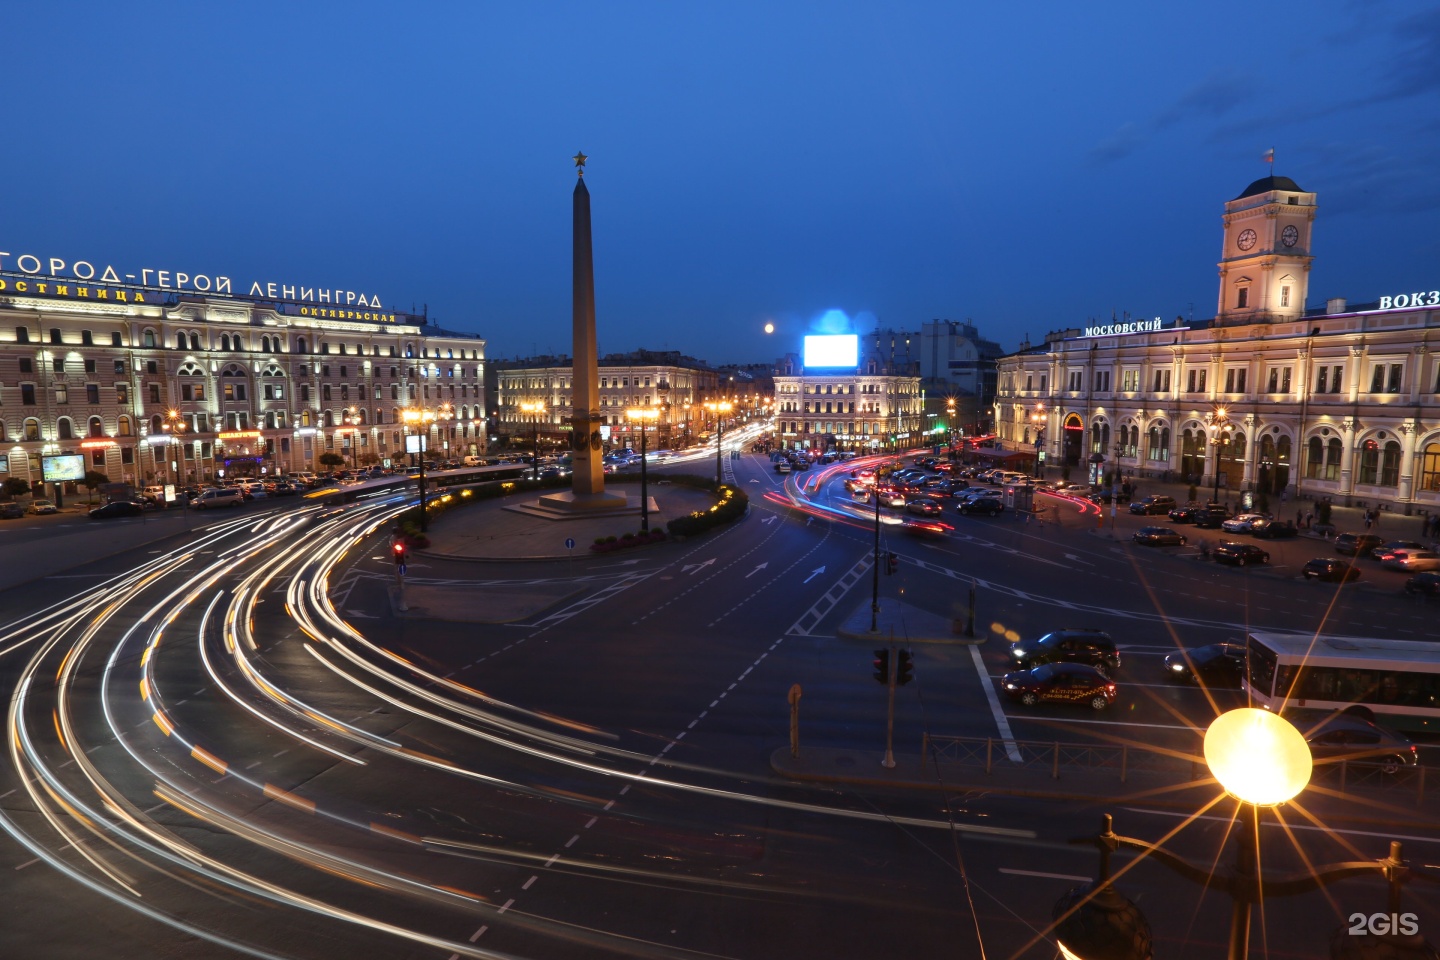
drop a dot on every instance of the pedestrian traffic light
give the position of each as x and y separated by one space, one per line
882 665
904 669
398 552
892 562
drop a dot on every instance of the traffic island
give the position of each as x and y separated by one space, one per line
900 621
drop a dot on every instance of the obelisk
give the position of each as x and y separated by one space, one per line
588 477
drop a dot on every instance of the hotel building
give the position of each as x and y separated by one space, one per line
877 405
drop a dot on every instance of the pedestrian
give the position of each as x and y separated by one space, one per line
1368 519
1299 518
1309 519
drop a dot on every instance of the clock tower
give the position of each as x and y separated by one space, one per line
1265 263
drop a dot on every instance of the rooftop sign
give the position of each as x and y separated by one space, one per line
1121 329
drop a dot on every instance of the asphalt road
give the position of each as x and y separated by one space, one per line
240 734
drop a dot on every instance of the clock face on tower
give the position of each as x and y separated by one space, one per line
1246 240
1289 236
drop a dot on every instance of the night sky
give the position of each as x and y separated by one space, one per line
1024 165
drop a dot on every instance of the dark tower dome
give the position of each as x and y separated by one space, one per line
1266 184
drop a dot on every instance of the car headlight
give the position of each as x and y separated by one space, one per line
1017 653
1012 686
1177 667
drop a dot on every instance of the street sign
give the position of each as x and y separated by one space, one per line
569 543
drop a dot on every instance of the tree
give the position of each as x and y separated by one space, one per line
93 479
16 487
332 460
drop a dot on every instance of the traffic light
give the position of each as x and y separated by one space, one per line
904 669
397 551
882 665
892 562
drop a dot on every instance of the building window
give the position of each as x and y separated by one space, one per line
1369 468
22 334
62 393
55 335
1284 296
57 365
1102 381
1377 379
27 395
1430 468
1390 464
1335 378
92 393
28 366
1075 380
1242 298
120 368
1162 381
154 392
1235 380
1392 384
122 393
1285 379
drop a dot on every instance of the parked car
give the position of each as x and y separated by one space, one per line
1274 529
1387 550
1153 505
1239 554
1242 523
117 508
218 497
1103 496
1214 665
1060 683
990 505
782 466
43 506
1357 544
923 507
1424 584
1353 739
1413 561
154 493
1091 647
1330 569
1211 518
1185 514
10 510
1159 537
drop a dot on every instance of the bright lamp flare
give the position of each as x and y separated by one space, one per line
1257 756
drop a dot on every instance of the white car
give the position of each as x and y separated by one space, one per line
1413 561
43 506
1242 523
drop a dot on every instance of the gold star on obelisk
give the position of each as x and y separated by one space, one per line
580 159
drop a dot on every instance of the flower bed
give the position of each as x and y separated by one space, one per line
610 544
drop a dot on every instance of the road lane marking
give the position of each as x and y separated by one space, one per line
1047 876
1011 750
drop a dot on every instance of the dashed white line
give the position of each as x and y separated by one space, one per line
527 883
571 842
592 822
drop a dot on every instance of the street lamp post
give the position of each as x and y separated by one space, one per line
719 408
174 425
1038 419
1218 420
423 418
1262 761
645 416
535 410
350 419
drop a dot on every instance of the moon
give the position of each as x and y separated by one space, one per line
769 328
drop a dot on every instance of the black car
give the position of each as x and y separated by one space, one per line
1240 554
1210 519
1091 647
1425 584
1185 514
1105 496
1329 569
990 506
117 508
1216 665
1153 505
1357 544
1352 739
1060 683
1159 537
1274 529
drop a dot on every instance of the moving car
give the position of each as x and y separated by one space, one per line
1330 569
43 506
218 497
1274 529
1159 537
117 508
1093 648
1060 683
1387 550
989 505
1353 739
928 529
1215 665
923 507
1424 584
1356 544
1239 554
782 466
1244 523
1413 560
1151 505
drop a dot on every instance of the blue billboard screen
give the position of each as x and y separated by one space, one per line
832 350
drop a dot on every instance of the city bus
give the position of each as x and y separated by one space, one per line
1395 683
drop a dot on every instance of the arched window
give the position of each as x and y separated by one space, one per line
97 427
224 341
1334 451
379 416
148 338
155 428
304 418
32 429
1368 469
299 344
1390 464
194 341
179 341
1430 468
64 430
326 419
122 426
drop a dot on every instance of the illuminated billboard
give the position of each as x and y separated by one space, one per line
59 469
832 350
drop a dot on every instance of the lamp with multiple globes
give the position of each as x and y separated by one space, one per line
173 426
1218 422
643 416
422 418
720 408
351 419
1038 419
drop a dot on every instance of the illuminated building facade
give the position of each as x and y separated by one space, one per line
1341 402
878 405
164 384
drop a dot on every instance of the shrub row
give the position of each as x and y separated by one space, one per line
730 506
607 544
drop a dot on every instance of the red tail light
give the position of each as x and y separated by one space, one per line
1110 688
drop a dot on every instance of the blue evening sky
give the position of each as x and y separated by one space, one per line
1026 165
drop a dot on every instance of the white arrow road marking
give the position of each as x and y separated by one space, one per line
813 574
769 519
693 568
757 570
1071 556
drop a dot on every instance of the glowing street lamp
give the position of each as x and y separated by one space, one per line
644 416
422 418
534 409
719 408
1038 419
351 419
1218 420
174 425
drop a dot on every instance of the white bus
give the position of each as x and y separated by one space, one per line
1396 683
